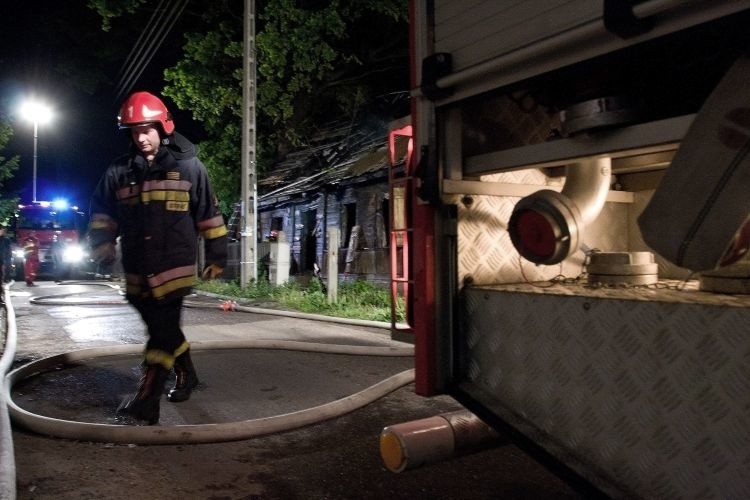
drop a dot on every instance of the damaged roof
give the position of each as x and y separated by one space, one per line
341 154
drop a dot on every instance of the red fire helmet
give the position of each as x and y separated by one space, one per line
142 108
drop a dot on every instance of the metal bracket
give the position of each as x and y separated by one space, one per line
426 173
434 67
620 19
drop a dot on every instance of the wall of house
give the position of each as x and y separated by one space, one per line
304 223
364 248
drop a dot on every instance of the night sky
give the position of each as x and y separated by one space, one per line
57 51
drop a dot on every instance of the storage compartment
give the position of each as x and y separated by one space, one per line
642 391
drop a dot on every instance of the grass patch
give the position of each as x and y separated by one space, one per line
356 299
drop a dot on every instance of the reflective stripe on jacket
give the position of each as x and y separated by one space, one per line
158 211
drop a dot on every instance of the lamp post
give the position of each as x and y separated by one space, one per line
38 113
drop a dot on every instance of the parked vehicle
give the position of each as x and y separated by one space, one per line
59 227
541 132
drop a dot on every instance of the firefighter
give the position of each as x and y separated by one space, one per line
5 260
30 258
158 200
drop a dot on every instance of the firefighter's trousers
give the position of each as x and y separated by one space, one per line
165 337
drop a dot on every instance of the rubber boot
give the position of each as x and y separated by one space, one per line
144 406
185 378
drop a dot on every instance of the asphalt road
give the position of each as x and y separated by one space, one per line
334 459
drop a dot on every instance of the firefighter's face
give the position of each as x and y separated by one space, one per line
146 138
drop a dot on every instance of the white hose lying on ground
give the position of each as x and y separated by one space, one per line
7 456
203 433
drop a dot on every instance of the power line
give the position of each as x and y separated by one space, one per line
151 47
138 47
136 53
151 44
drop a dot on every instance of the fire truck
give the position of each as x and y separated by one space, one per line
576 207
59 227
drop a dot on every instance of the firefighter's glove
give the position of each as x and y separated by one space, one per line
104 253
211 272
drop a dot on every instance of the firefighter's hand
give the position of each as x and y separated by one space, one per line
104 253
211 272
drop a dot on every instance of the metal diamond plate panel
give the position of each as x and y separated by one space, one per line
486 254
646 392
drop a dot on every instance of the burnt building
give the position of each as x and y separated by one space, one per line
341 180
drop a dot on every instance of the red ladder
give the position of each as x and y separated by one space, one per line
400 187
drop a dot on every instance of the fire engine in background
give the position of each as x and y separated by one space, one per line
577 191
59 227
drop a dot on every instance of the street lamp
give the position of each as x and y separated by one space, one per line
38 113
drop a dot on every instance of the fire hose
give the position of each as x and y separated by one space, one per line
7 457
202 433
403 446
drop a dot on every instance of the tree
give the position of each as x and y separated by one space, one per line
318 61
110 10
322 60
8 167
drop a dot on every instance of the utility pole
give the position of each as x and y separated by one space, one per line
249 203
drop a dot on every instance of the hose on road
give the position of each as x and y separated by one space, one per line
7 456
205 433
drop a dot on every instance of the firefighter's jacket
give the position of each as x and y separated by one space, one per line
31 248
158 211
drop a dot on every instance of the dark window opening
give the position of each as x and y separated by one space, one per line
309 246
350 220
385 211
